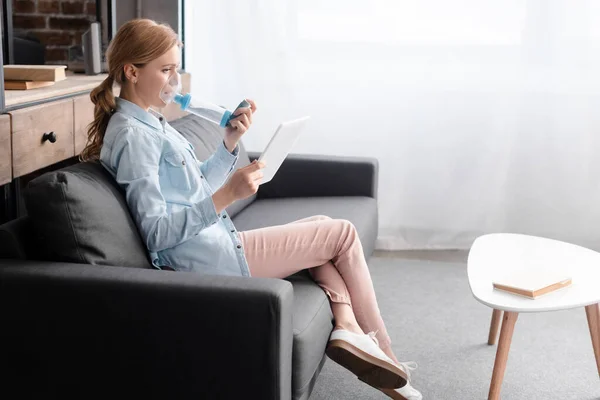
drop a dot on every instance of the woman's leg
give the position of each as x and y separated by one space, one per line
328 278
334 248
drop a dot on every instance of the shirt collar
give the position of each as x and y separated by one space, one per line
151 117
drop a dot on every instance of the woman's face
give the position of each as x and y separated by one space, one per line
153 76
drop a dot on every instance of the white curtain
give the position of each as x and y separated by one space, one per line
484 115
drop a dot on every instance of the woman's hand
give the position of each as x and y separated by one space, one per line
243 183
239 125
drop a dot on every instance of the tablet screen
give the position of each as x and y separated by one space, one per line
280 146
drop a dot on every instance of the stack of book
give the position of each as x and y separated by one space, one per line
24 77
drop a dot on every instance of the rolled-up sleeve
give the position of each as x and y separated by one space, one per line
136 160
217 167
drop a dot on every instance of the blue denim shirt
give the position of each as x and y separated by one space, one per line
169 193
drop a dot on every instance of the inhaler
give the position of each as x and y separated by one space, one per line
171 92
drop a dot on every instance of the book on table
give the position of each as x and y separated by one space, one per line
26 85
45 73
532 285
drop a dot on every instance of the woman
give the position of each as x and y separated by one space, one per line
179 204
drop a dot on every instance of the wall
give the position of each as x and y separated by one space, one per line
57 24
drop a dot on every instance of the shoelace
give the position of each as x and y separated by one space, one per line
408 366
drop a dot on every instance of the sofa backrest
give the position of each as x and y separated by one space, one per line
17 241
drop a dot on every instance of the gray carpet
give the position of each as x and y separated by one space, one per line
434 320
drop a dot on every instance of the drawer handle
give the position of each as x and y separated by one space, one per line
50 136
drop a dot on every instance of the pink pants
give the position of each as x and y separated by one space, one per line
331 251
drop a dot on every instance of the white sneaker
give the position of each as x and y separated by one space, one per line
407 392
361 355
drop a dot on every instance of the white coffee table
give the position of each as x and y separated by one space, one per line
493 255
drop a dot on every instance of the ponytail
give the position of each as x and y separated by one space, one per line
104 100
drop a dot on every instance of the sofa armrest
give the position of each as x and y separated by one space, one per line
82 331
317 176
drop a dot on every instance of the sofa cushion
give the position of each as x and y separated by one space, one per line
312 323
205 137
79 215
361 211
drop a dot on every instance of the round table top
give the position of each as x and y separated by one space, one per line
500 255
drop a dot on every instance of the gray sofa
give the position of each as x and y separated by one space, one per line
83 315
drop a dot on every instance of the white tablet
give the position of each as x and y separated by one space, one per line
280 145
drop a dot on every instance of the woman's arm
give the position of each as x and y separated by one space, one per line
135 158
219 166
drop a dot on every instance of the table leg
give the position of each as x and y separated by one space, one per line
495 326
593 316
506 333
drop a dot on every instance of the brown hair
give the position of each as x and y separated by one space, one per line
138 42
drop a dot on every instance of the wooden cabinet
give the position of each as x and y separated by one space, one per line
41 135
83 115
5 150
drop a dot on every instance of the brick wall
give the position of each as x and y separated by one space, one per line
58 24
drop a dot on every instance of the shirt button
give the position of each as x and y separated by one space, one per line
183 162
239 246
233 230
160 119
224 216
201 176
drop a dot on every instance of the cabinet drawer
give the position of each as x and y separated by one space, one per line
83 115
5 150
33 132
